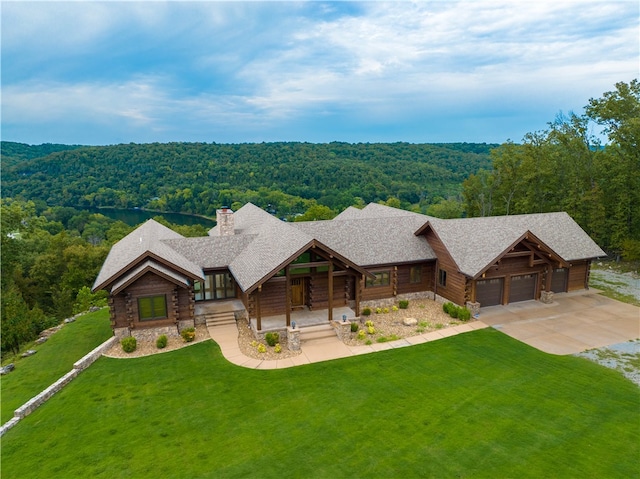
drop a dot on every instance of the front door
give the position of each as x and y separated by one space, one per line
297 293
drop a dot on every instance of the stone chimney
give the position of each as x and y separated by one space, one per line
224 218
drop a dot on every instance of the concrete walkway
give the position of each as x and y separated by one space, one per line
573 323
323 349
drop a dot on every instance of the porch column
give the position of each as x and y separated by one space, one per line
288 295
330 289
356 289
548 278
258 311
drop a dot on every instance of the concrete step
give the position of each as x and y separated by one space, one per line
322 331
220 319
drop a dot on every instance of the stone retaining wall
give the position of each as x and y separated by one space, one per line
389 302
151 334
33 403
88 359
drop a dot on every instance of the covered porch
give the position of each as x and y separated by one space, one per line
302 318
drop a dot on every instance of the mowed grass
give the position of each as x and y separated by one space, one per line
475 405
53 360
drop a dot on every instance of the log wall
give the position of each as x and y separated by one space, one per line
578 276
124 306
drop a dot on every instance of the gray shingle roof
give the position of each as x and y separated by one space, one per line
143 241
350 213
475 243
373 240
375 235
274 243
211 252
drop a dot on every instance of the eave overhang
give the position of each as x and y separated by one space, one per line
314 245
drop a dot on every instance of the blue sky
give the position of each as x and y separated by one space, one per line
231 72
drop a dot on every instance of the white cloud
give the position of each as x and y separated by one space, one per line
444 50
247 65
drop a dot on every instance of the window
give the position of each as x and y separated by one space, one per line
215 286
415 275
382 279
152 307
442 277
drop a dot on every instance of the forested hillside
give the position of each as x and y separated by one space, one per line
286 178
14 153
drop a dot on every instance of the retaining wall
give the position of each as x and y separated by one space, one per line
33 403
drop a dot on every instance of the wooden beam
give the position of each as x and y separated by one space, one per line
288 294
330 279
513 254
258 311
356 286
312 264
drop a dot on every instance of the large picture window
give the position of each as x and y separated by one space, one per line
382 278
152 307
215 286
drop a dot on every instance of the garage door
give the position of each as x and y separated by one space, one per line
489 291
559 280
523 287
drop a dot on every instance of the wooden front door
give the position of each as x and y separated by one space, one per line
297 293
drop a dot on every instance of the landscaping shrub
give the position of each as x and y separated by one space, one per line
188 334
403 303
464 314
385 310
161 342
129 344
378 310
354 327
371 330
384 339
455 311
278 348
361 334
368 323
262 348
366 312
394 308
272 338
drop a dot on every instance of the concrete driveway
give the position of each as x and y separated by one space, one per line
573 323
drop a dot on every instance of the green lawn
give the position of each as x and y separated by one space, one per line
53 360
475 405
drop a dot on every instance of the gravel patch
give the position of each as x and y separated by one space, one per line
389 326
625 283
249 345
623 357
146 348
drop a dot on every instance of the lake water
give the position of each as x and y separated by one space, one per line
134 217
